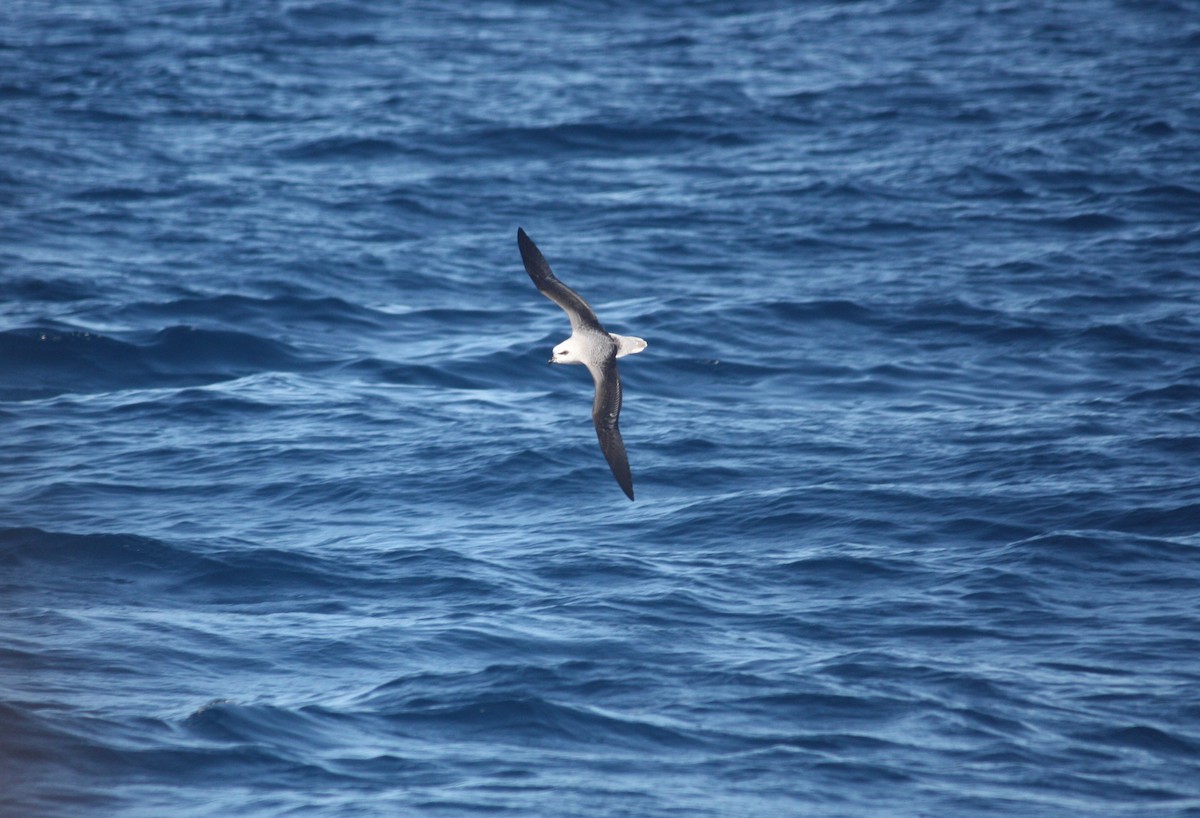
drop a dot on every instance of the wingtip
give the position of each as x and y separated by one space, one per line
528 248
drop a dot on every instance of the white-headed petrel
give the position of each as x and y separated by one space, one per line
593 347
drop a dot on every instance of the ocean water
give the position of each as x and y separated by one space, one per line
296 521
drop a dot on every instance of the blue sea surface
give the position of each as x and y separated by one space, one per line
296 521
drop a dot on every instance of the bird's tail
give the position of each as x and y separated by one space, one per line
627 344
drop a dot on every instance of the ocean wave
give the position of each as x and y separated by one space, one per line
47 362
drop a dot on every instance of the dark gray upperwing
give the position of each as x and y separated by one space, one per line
577 309
605 411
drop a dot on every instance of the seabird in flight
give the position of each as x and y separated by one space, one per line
593 347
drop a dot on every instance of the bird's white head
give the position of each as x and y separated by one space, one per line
566 353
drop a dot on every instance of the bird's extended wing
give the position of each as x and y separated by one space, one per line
577 309
605 412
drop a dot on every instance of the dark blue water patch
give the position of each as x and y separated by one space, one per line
821 310
1158 520
545 729
1138 337
1175 199
1087 221
411 374
332 314
530 720
1184 444
33 748
132 195
1142 737
341 149
232 576
244 578
190 405
825 570
183 347
1110 556
90 749
45 362
985 184
226 576
236 724
954 318
30 546
53 290
334 15
588 138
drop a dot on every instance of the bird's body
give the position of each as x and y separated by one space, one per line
594 347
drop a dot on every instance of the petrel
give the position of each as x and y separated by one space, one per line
593 347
